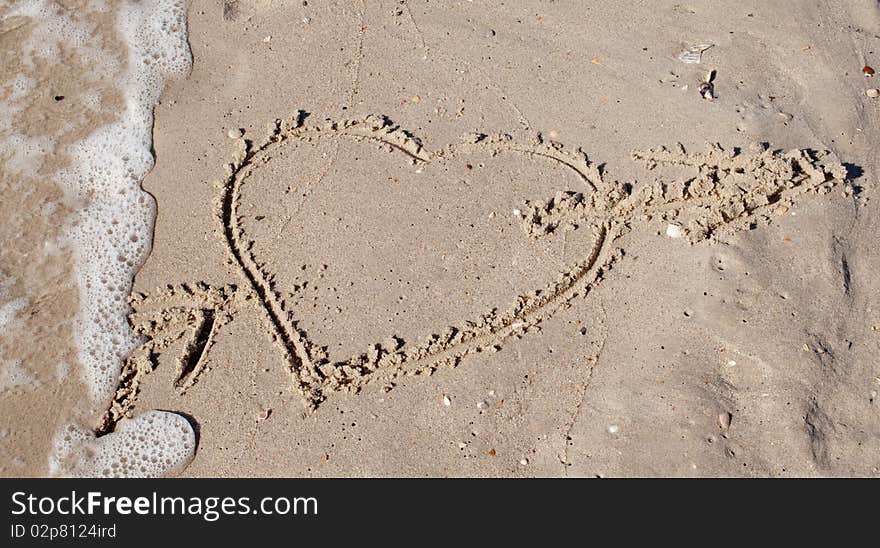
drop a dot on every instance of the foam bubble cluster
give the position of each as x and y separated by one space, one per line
13 375
153 444
110 234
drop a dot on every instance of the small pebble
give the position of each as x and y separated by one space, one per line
235 133
446 401
482 406
416 99
267 39
524 462
673 231
306 20
724 420
517 212
491 393
873 93
613 429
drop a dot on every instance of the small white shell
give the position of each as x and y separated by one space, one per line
674 231
693 54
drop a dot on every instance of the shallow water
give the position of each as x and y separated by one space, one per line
76 112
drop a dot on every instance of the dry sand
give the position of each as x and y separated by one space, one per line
437 249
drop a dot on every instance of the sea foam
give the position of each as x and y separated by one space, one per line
110 233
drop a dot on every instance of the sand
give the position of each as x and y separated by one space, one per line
484 239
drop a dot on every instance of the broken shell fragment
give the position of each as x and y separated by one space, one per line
867 71
873 93
707 91
693 54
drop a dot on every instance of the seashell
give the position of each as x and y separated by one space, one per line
693 54
707 91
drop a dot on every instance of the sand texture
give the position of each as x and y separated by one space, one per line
413 238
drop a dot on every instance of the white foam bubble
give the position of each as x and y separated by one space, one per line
9 310
153 444
13 375
21 86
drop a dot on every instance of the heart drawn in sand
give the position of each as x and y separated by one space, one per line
312 368
724 191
